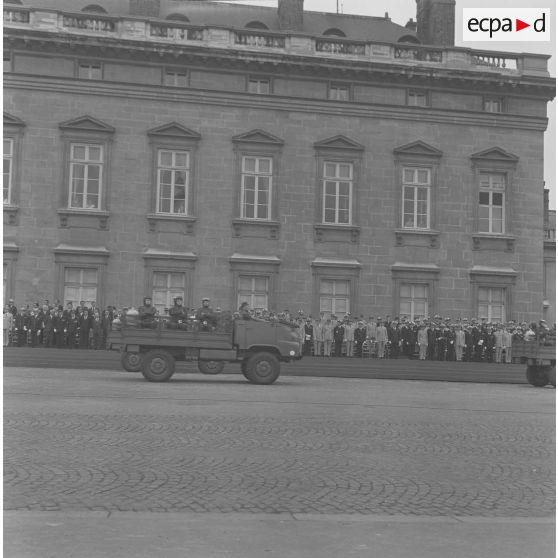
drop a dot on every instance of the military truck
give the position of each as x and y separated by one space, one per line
259 346
540 356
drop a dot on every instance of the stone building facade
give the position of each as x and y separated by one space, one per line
291 159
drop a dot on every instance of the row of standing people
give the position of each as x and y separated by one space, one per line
55 326
432 341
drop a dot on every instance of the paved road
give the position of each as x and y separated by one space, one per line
402 368
99 463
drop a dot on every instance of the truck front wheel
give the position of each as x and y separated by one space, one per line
157 366
131 361
210 366
262 368
537 375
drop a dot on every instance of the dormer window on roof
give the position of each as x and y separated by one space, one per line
178 17
95 8
256 25
334 32
408 39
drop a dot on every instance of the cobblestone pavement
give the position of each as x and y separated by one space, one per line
102 440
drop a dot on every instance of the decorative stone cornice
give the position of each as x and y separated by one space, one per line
290 104
279 52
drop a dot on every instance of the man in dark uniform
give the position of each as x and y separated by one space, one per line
84 329
21 326
59 324
12 307
73 330
244 311
477 342
394 336
409 332
440 341
147 313
206 316
34 325
177 314
450 343
431 333
360 338
308 337
338 336
468 350
68 310
48 326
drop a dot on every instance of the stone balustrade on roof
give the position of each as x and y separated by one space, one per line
173 34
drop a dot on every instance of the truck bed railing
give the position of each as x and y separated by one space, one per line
222 324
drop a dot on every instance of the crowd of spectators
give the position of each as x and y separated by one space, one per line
87 326
433 338
54 325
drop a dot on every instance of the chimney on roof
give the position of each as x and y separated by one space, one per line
411 25
290 13
436 22
145 8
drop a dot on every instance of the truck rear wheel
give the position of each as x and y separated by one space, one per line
262 368
131 361
537 375
157 366
210 366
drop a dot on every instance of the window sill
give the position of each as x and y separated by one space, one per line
83 218
329 232
417 237
487 241
256 228
11 214
171 222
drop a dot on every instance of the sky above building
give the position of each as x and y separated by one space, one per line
400 11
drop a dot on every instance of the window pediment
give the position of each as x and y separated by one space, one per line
339 142
495 155
418 148
10 120
258 137
174 130
86 124
152 253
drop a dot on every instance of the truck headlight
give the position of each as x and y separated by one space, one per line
292 353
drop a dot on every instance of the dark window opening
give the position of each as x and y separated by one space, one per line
178 17
334 32
94 8
408 39
256 25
